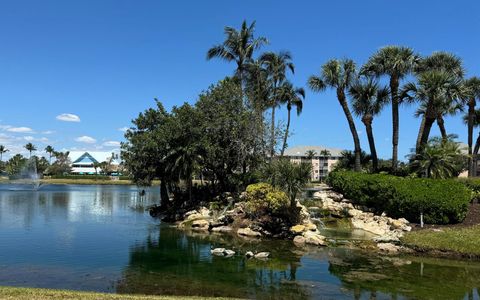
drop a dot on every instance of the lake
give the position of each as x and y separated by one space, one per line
100 238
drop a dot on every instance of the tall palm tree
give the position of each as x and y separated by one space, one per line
435 90
473 86
292 97
475 121
238 46
30 148
339 75
396 62
443 109
49 149
2 151
368 99
276 65
310 154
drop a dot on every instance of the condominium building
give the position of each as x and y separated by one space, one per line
323 159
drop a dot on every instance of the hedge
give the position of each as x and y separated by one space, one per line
442 201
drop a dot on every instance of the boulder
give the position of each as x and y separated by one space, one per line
262 255
311 227
249 254
297 229
388 247
200 224
248 232
299 240
205 212
313 238
229 252
218 251
194 216
222 229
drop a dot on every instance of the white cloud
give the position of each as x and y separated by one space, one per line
123 129
28 138
68 118
86 139
111 144
48 132
19 129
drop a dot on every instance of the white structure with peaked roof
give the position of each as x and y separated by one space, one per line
323 159
83 161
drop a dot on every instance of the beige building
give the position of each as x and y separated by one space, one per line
323 159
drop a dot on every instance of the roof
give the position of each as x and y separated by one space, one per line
301 150
88 157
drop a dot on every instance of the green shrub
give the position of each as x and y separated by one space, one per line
262 199
442 201
474 185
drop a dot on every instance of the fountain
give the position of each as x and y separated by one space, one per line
28 176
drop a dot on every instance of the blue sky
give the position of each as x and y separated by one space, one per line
105 61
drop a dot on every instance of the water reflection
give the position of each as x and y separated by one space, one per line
100 238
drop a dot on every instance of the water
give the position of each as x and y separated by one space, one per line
99 238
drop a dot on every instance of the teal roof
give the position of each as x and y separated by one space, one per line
85 158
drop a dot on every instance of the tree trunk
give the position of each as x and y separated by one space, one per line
272 128
356 141
395 120
441 126
471 115
165 201
426 132
475 155
367 120
286 131
420 133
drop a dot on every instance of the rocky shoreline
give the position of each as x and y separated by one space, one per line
232 219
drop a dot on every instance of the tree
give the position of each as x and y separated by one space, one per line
310 154
325 153
368 99
62 164
96 166
2 151
473 86
30 148
276 66
15 164
49 149
339 74
396 62
348 160
292 97
439 158
238 46
474 156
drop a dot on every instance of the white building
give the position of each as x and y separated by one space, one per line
323 159
83 161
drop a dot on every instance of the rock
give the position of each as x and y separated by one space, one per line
354 212
405 221
222 229
249 254
337 197
314 209
388 247
388 238
297 229
299 240
313 238
397 224
320 195
229 252
216 223
194 216
218 251
205 212
311 227
248 232
200 224
262 255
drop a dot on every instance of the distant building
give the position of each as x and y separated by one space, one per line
323 159
83 161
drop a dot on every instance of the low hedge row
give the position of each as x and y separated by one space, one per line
441 201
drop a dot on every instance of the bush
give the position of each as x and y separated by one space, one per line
263 199
442 201
474 185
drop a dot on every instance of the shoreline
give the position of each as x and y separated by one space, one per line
26 293
81 182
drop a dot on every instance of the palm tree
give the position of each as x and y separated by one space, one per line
395 62
2 151
292 97
476 123
96 165
49 149
184 161
443 109
238 46
310 154
439 158
276 65
30 148
473 86
368 99
339 74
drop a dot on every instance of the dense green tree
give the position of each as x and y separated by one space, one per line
15 165
396 62
310 154
292 97
340 74
276 66
348 160
30 148
368 99
62 164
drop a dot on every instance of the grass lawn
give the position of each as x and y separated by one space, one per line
464 241
45 294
